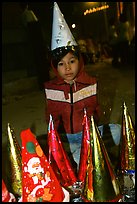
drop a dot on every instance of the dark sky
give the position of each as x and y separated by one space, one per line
69 10
92 24
44 11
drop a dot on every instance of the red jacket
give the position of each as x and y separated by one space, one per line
67 110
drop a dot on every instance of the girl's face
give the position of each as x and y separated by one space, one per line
68 67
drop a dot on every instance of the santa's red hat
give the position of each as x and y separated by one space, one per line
6 195
39 183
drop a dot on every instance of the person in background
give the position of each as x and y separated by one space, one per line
113 42
123 29
83 49
91 49
71 90
38 45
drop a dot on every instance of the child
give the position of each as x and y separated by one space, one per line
70 92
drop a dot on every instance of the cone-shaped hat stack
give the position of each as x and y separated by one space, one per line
6 195
15 164
62 160
39 182
84 148
61 34
127 143
105 184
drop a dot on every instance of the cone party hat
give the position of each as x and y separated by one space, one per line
84 148
62 160
39 182
105 184
6 195
127 143
15 163
61 34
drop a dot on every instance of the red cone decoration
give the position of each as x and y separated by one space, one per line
127 142
39 182
15 163
84 148
57 151
100 173
6 196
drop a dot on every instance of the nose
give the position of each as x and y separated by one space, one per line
68 67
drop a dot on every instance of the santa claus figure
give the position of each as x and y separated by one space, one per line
36 181
39 183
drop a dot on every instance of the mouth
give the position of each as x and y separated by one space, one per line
69 75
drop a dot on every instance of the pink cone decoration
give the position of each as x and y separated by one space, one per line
39 182
84 148
6 195
57 151
100 174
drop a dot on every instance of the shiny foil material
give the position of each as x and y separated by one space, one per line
105 184
83 164
6 195
62 160
127 141
39 183
88 190
15 163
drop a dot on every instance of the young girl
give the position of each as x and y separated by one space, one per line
68 94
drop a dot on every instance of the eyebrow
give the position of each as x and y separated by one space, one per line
69 58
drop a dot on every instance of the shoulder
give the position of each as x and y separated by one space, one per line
53 84
86 79
50 83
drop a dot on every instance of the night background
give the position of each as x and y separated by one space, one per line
26 65
14 36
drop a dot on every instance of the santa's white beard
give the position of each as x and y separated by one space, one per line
35 170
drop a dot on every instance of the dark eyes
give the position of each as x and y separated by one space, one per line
70 62
60 64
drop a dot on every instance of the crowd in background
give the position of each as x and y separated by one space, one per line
120 45
121 40
94 51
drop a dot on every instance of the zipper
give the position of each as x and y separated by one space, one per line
71 113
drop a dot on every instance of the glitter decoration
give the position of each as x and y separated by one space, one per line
100 173
126 171
61 34
84 148
57 153
127 141
15 163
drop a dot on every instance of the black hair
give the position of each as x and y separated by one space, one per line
59 53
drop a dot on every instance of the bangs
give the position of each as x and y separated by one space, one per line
59 53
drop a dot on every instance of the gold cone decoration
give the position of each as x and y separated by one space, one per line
15 163
88 189
105 184
127 143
